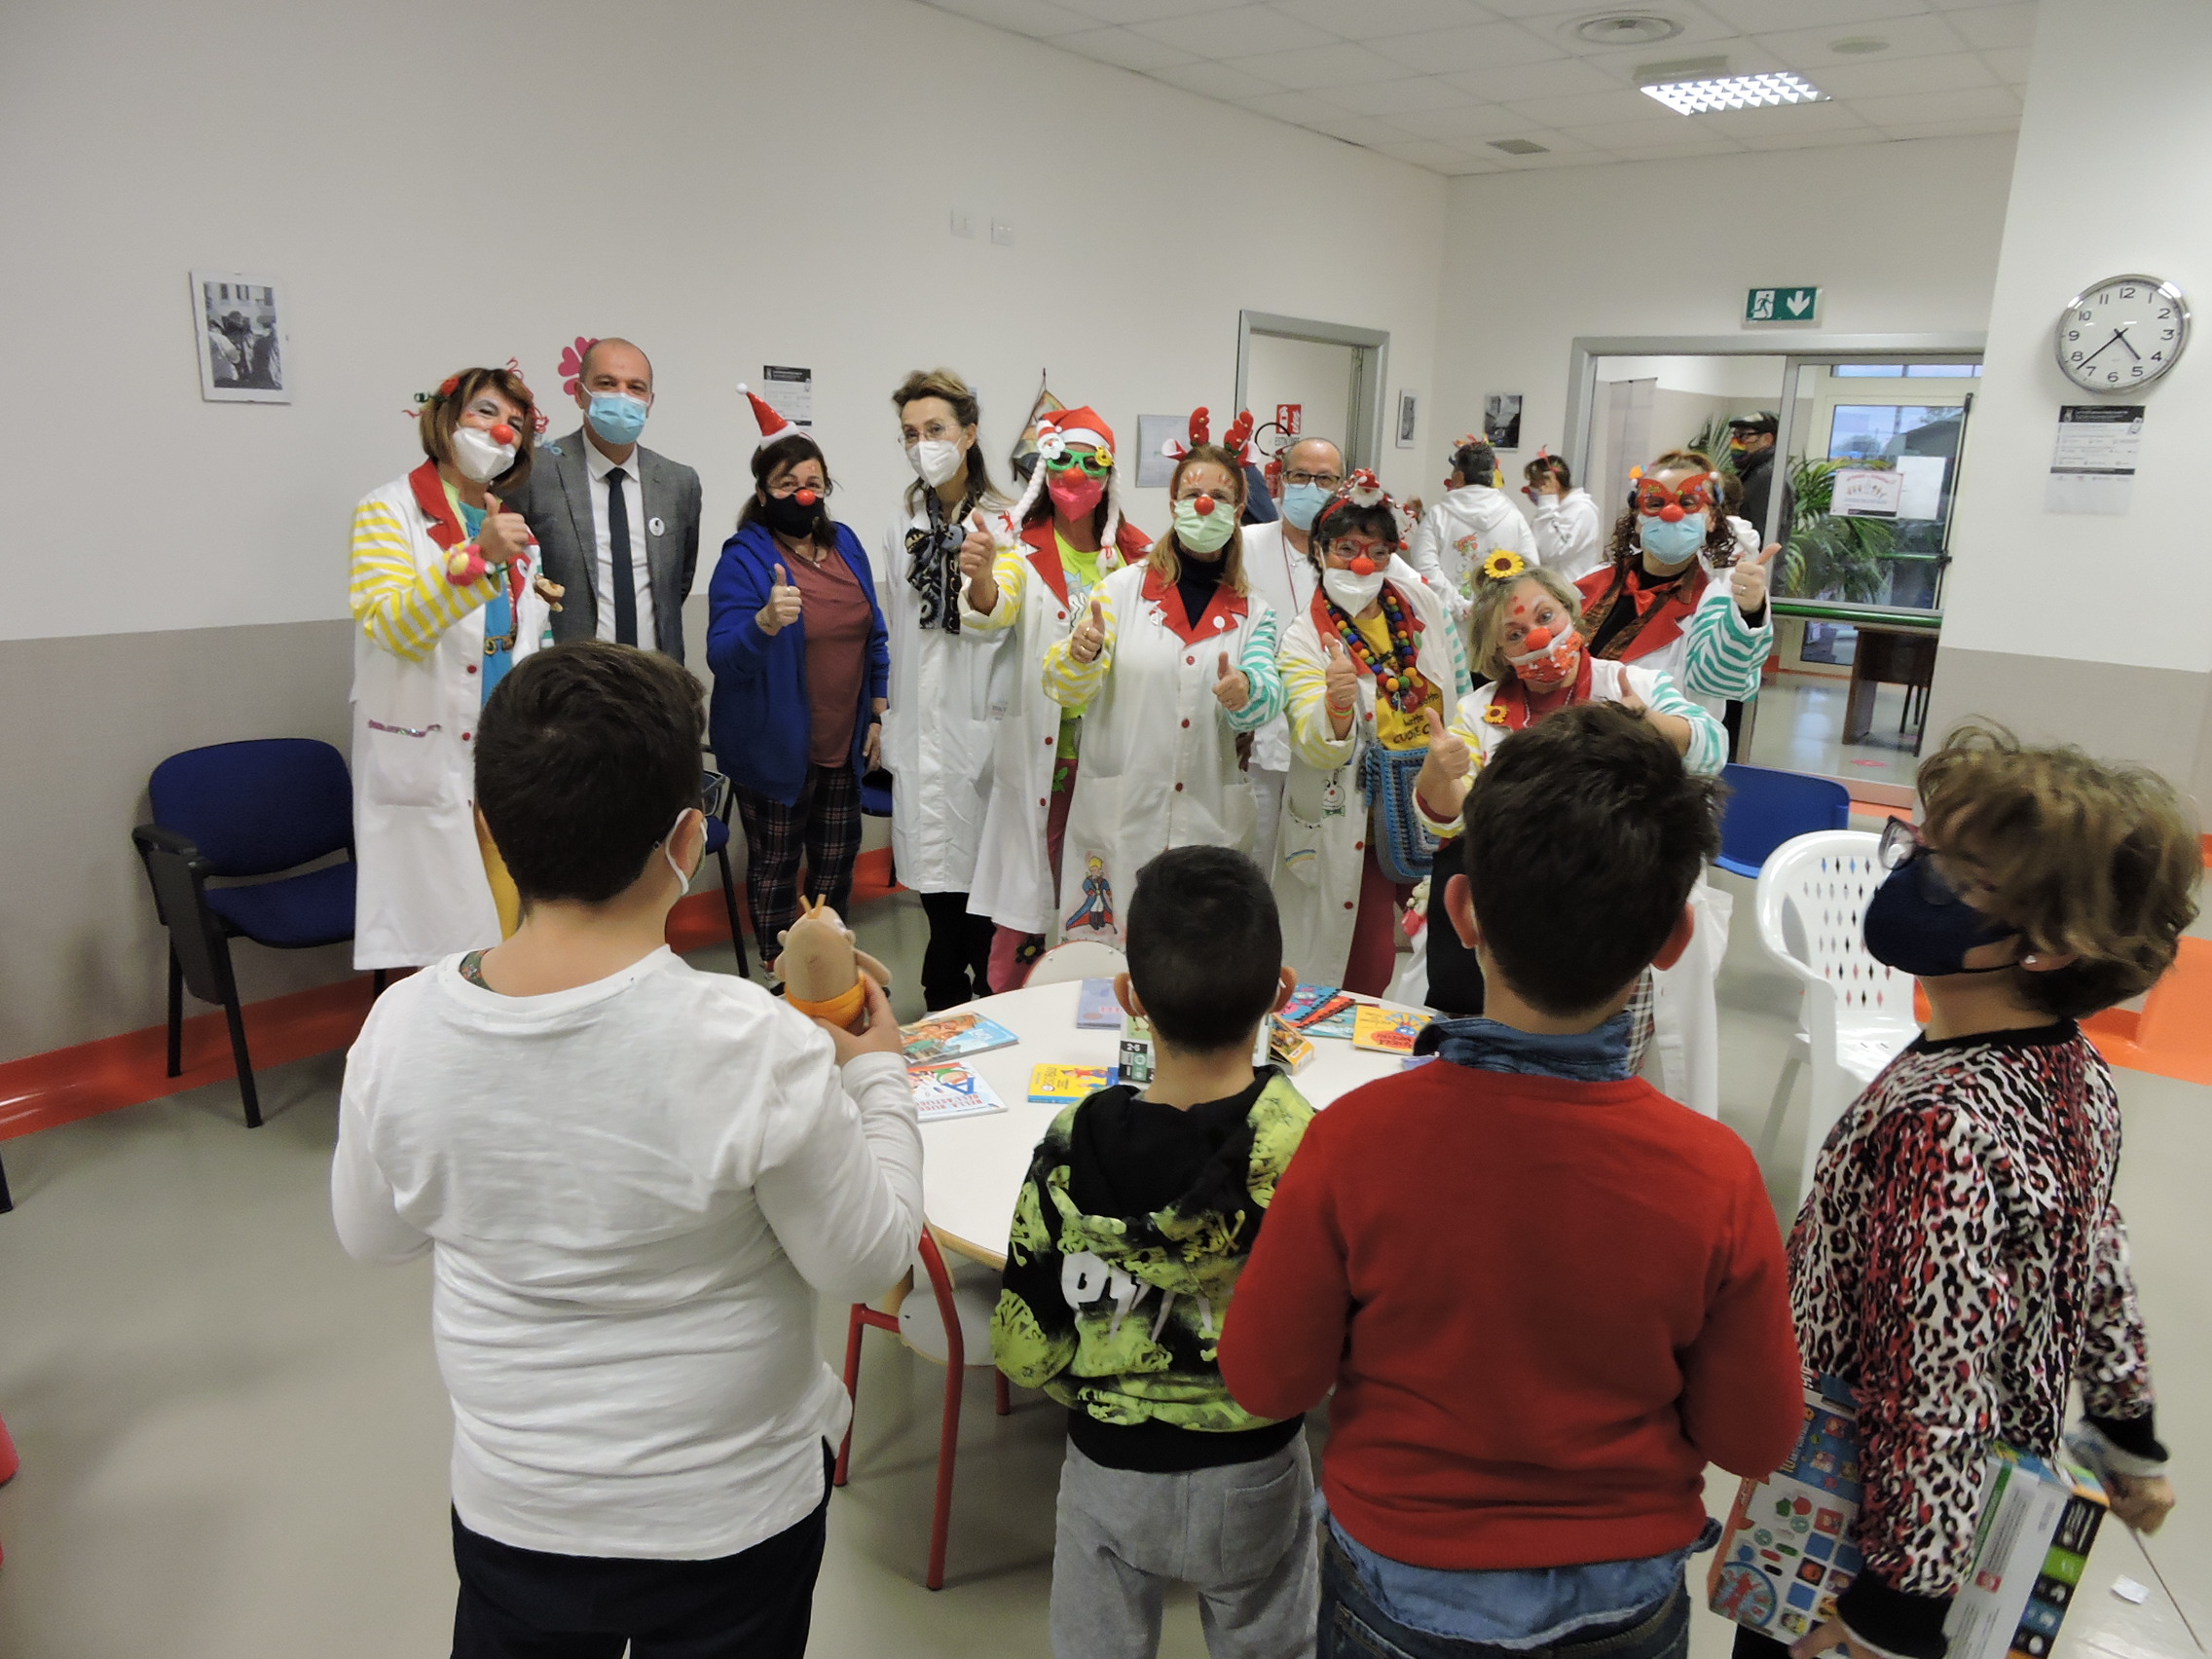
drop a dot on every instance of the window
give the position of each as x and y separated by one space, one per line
1859 430
1905 370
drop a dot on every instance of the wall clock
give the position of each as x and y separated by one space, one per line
2122 333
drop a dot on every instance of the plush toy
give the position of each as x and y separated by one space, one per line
821 970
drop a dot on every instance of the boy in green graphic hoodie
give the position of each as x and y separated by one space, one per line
1139 1210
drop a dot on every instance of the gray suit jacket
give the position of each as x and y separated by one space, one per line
557 503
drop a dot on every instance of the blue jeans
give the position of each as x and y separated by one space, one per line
1354 1627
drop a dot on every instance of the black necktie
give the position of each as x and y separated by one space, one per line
618 541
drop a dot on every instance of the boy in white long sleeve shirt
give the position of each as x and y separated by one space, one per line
634 1179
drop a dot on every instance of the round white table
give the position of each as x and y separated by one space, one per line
973 1167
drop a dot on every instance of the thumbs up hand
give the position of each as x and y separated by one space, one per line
1089 636
782 609
1749 581
1230 689
1343 676
1448 751
976 551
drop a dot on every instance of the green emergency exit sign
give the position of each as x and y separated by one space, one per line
1781 305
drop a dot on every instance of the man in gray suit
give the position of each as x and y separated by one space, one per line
617 526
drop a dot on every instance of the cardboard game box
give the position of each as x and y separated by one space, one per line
1787 1552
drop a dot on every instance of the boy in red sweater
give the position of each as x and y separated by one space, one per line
1546 1294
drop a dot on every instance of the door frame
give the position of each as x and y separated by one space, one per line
1370 372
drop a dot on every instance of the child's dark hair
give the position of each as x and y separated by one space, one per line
1206 947
584 756
1584 836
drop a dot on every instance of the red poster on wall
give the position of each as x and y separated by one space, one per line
1288 416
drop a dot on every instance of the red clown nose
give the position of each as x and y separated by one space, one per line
1363 565
503 433
1671 513
1204 504
1539 639
805 497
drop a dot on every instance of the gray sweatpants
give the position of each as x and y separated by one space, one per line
1242 1536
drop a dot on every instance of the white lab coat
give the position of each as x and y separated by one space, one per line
1159 766
1569 536
1322 841
937 730
421 892
1461 531
1712 654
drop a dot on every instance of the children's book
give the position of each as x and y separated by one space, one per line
1064 1085
1320 1010
947 1088
1391 1030
952 1036
1095 1009
1288 1045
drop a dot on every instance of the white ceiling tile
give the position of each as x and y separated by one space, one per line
1479 46
1385 97
1469 166
1811 51
1423 152
1769 15
1622 136
1949 129
1237 32
1293 107
1543 9
1787 119
2009 63
1476 122
1562 77
1588 109
1831 139
1744 55
1121 49
1375 20
1871 78
1996 25
1149 11
1366 130
1674 152
1039 17
1340 64
1223 80
1972 103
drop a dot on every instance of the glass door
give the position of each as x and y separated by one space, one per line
1861 487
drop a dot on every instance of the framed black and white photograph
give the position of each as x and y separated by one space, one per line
1409 419
1501 419
240 324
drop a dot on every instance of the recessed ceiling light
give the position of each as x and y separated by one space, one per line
1858 45
1625 28
1519 147
1736 92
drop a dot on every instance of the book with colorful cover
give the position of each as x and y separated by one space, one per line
946 1088
952 1036
1095 1006
1390 1030
1064 1085
1320 1010
1288 1045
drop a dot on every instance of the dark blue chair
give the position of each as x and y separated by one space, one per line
243 810
714 801
1766 807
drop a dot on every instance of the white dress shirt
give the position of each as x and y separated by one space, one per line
597 466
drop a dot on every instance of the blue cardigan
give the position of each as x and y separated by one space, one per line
759 720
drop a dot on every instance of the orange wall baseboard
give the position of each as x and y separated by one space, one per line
40 1092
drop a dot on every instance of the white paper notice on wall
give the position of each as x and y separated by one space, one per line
2092 466
1866 492
790 392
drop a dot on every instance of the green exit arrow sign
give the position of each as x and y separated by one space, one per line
1781 305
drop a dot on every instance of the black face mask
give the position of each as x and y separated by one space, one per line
790 515
1917 923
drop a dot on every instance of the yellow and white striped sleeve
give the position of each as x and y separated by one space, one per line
1010 570
1071 684
1465 725
399 607
1305 703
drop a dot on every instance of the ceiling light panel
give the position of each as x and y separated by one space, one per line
1736 92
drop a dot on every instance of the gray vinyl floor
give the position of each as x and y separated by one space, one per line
233 1438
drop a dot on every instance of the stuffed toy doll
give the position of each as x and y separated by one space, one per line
819 969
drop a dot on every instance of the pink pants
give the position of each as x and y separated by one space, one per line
1008 969
1373 958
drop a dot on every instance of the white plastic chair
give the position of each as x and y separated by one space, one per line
1078 959
1854 1013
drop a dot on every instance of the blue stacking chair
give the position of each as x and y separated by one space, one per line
243 810
715 800
1766 808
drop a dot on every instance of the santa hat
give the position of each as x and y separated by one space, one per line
1361 490
1237 440
772 425
1056 433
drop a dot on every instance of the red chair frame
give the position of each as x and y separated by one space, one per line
956 1363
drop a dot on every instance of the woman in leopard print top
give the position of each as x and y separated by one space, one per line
1959 1260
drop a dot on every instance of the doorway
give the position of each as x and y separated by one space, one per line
1324 379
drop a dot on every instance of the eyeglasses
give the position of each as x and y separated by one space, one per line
790 487
1653 498
1900 845
1330 481
936 431
1096 463
1375 552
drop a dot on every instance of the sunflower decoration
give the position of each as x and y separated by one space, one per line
1494 715
1505 565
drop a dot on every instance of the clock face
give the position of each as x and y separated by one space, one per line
2123 333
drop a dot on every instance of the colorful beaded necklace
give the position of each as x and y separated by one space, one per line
1396 678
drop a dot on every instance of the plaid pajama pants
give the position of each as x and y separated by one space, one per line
823 824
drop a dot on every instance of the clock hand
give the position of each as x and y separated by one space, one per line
2121 337
2117 333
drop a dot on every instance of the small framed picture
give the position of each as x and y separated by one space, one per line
239 321
1409 419
1501 419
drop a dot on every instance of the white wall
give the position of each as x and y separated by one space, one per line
1757 380
1534 258
729 182
2082 211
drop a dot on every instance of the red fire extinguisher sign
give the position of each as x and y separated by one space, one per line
1288 418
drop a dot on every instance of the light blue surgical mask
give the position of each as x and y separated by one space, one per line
1302 504
1673 543
617 416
